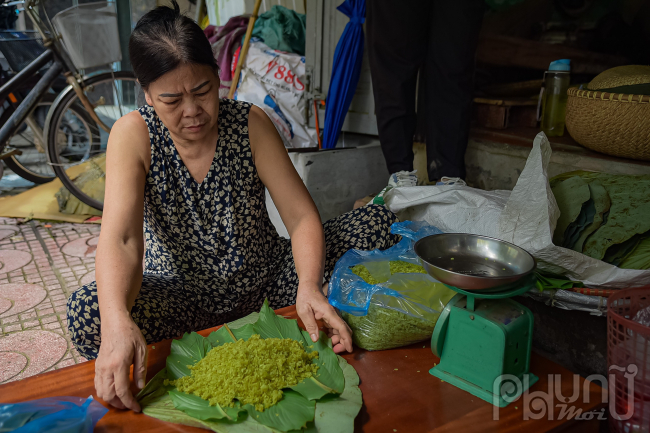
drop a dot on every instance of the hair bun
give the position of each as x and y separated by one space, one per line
177 8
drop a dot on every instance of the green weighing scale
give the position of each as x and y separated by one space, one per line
483 338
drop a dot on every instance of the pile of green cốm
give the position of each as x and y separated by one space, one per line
386 328
253 372
604 216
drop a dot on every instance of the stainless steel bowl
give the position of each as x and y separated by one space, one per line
473 262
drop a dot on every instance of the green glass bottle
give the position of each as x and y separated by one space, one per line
554 99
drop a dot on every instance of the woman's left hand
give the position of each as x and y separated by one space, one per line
312 305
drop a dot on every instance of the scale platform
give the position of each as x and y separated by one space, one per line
483 338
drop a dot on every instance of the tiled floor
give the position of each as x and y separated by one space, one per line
40 265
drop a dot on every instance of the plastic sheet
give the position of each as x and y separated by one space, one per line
52 415
403 307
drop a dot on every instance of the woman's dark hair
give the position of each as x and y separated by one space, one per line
162 40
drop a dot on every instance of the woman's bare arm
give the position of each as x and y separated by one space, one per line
121 245
301 218
119 261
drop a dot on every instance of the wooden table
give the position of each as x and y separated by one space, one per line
398 393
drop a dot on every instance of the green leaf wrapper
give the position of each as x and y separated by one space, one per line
196 407
293 412
336 383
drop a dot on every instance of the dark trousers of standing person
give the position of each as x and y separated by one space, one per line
440 35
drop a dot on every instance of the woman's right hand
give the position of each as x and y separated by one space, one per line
122 346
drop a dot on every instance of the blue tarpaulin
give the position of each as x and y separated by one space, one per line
345 71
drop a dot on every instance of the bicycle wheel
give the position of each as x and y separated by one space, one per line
33 163
81 167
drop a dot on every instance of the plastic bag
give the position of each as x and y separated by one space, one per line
51 415
274 81
402 308
643 316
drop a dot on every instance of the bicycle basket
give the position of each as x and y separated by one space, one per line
89 32
20 48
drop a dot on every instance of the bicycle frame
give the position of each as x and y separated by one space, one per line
73 77
27 105
55 52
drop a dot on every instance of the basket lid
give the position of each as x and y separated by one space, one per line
629 75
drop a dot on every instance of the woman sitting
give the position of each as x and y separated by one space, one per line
195 169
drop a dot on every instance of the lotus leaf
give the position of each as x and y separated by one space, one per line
576 228
617 254
331 414
570 196
602 203
628 214
335 385
639 258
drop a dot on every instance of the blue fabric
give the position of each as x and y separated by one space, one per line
346 69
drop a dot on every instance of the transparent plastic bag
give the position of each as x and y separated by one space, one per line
643 316
400 308
52 415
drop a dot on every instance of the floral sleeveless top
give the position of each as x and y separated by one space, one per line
215 236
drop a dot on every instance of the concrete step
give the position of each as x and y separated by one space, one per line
495 159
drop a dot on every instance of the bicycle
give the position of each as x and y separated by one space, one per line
79 120
29 160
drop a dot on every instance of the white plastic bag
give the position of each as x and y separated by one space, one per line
274 81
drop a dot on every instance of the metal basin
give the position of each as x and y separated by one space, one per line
473 262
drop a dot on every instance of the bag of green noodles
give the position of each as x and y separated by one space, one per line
386 297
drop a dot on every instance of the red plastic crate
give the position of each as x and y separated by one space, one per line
628 346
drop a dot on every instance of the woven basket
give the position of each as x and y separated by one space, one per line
621 76
612 123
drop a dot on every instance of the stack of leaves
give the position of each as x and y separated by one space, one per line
326 398
605 217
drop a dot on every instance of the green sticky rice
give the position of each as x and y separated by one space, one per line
253 372
396 267
386 328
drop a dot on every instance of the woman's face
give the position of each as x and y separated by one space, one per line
187 101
